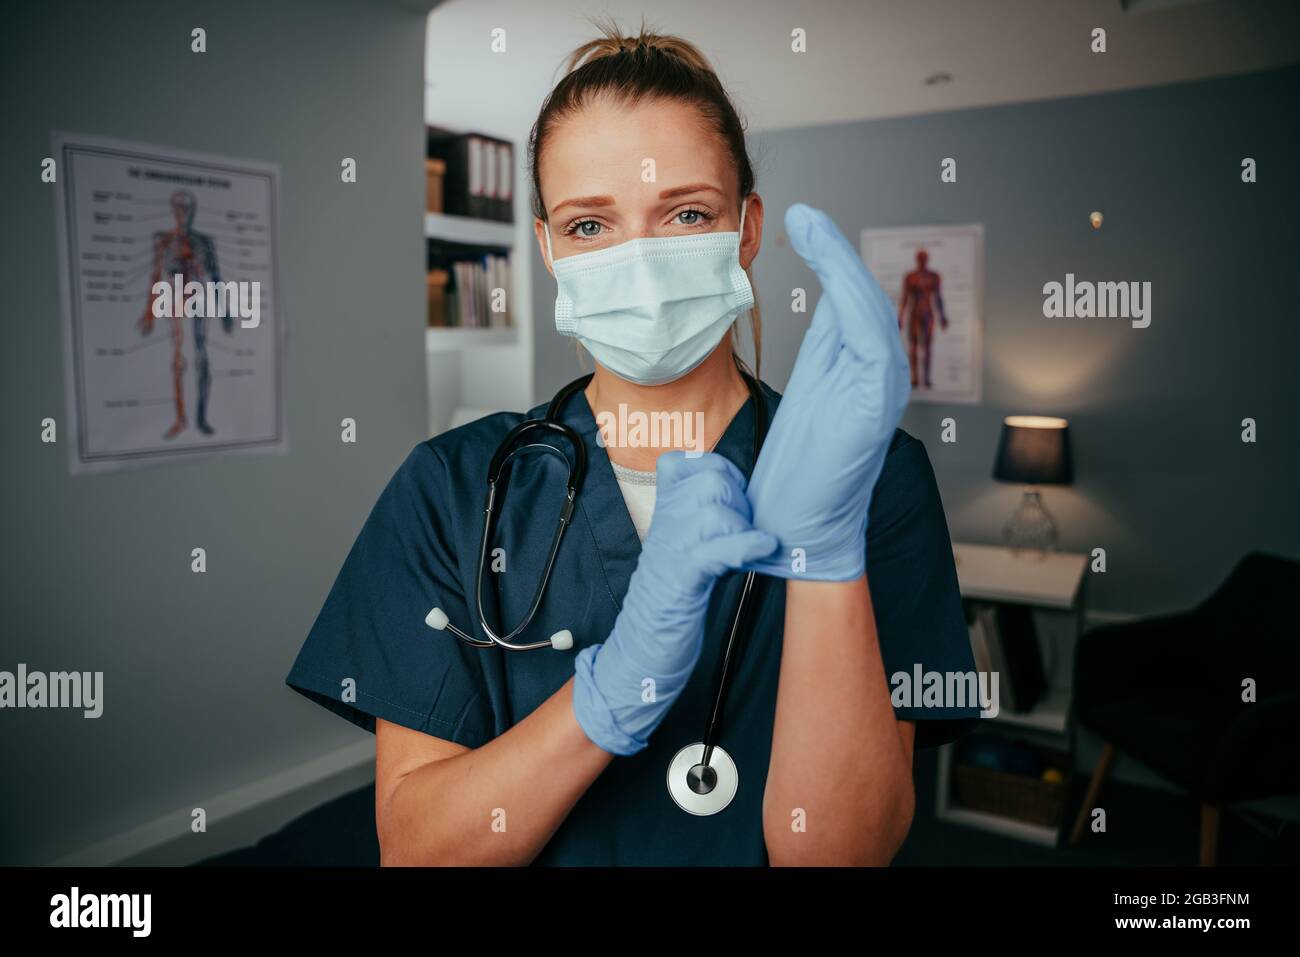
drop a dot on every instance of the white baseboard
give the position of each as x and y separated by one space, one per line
235 818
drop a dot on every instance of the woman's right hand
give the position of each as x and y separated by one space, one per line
700 531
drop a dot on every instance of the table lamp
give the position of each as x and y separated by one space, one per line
1033 450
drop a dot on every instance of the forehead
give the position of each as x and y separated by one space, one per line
604 146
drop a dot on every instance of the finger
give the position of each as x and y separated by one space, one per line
724 490
862 311
817 351
718 521
801 226
668 467
672 468
867 325
817 239
733 551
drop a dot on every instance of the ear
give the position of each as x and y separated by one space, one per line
539 231
752 238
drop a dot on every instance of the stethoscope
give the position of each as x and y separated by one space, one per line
702 777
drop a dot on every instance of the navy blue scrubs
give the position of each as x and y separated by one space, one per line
419 549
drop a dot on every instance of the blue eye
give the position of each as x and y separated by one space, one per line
580 227
697 217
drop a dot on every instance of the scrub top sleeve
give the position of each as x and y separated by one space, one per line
370 654
913 579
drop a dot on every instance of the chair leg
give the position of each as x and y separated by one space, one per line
1094 788
1209 834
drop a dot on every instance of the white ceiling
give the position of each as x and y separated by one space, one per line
864 59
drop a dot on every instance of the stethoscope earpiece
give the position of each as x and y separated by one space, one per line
437 620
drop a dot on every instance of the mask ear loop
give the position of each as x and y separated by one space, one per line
550 255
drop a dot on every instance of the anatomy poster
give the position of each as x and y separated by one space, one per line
172 335
935 277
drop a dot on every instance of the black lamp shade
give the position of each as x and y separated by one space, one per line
1034 450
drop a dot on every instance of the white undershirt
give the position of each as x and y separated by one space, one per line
638 490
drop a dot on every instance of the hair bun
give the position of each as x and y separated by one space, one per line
613 42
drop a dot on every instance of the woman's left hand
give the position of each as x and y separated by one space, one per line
812 484
700 530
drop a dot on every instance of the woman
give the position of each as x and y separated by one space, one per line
483 756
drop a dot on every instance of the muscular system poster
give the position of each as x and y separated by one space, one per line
935 277
172 335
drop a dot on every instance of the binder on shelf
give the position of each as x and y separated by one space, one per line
479 178
486 180
505 172
498 179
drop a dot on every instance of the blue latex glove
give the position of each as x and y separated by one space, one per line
700 530
813 481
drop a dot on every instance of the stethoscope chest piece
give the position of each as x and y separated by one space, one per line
701 790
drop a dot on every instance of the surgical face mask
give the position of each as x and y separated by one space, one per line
651 310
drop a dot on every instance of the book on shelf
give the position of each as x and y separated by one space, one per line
979 644
1019 641
475 290
1003 635
471 294
987 619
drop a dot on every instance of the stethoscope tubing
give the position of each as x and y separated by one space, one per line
711 728
507 641
577 468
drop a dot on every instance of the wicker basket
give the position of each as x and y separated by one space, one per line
435 173
1014 796
436 285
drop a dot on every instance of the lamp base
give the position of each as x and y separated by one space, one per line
1030 531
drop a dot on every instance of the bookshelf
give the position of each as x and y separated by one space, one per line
993 573
454 339
1007 827
1052 586
470 236
1051 714
464 229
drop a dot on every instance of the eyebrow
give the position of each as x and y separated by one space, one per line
589 201
693 188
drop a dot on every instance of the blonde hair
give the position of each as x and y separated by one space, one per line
648 65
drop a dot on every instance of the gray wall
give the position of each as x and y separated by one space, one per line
1163 481
95 571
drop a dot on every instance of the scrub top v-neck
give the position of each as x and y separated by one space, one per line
370 654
